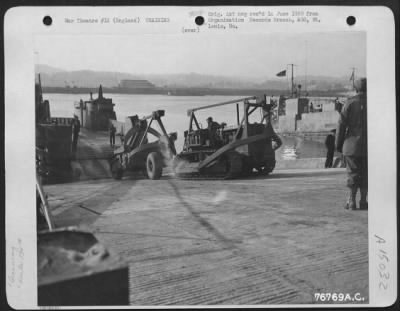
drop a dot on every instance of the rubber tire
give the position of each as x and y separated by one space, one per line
116 169
154 165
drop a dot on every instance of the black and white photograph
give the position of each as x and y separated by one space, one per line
206 165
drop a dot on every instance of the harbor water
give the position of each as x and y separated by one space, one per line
177 120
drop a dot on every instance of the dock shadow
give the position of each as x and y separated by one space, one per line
278 175
203 222
87 211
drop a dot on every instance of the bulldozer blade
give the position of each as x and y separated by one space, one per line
210 159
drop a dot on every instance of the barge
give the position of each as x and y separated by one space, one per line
53 141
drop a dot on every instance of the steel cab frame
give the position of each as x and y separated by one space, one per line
247 137
242 124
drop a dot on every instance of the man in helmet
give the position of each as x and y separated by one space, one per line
351 141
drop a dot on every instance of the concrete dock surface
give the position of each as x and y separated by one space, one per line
278 239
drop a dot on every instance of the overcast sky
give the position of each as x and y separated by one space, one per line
330 54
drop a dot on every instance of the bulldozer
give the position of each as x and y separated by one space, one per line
230 151
144 148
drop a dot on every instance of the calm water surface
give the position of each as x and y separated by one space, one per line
176 119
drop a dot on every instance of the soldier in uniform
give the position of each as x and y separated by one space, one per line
111 131
76 128
351 141
330 146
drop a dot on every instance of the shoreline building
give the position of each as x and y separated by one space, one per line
136 85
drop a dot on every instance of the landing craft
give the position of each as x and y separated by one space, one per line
67 258
53 141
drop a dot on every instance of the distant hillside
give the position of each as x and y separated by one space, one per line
84 78
54 77
45 69
201 80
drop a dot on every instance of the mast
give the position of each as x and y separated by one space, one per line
287 78
40 89
292 81
353 77
305 82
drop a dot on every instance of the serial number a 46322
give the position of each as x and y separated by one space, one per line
338 297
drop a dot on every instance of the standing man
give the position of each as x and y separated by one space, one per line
112 131
267 109
330 145
338 105
351 140
76 128
212 127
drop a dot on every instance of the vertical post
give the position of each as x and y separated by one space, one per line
246 118
287 77
191 122
40 85
195 121
237 113
292 81
81 110
305 84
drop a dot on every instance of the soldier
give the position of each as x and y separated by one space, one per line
330 146
338 105
76 128
212 130
112 131
351 141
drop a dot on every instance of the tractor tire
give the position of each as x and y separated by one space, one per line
264 171
247 168
154 165
116 169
